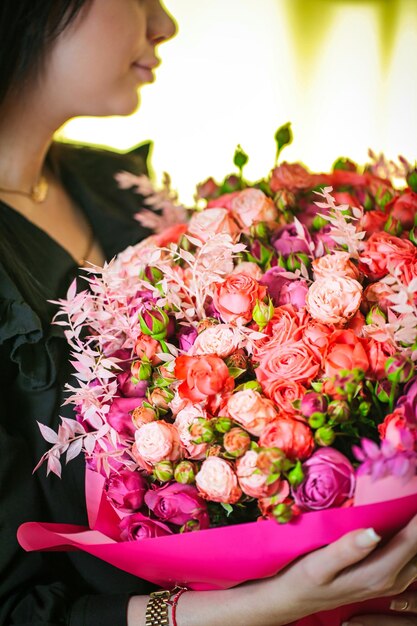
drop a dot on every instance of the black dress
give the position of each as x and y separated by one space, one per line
53 588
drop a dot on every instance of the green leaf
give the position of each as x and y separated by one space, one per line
240 158
235 372
228 508
283 137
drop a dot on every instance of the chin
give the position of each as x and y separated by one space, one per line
119 105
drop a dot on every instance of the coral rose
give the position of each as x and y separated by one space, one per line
292 177
334 300
293 437
378 353
236 297
252 481
383 251
154 442
283 327
251 410
293 361
393 428
216 481
284 393
346 351
203 376
251 206
335 264
316 337
210 222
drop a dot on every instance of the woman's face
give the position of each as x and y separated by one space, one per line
97 64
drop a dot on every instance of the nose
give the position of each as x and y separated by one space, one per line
161 25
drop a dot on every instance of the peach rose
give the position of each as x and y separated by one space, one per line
251 206
346 351
211 222
316 337
147 347
236 297
252 481
293 437
292 361
283 327
216 481
382 251
236 442
156 441
335 264
203 376
377 294
250 269
220 339
284 393
251 410
334 300
184 420
378 354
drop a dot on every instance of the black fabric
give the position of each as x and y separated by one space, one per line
53 588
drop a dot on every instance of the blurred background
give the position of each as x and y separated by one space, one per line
344 72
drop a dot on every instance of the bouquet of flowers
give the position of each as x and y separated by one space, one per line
253 363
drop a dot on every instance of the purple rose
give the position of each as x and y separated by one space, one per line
128 389
126 490
408 402
329 480
288 241
137 526
178 504
119 416
187 336
284 289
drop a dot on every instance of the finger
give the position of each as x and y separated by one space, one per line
405 578
405 603
381 620
398 551
325 564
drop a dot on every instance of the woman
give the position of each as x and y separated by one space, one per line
60 207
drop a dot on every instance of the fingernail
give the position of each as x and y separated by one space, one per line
399 605
366 539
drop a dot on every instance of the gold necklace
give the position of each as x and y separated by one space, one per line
37 194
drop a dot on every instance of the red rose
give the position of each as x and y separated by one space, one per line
291 436
404 208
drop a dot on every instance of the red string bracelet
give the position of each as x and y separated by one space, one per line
174 603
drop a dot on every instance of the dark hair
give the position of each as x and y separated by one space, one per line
27 30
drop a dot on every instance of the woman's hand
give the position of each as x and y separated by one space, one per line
406 603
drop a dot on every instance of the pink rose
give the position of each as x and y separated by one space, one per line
216 481
251 269
183 422
316 337
291 436
126 490
377 294
329 481
119 417
129 389
178 504
236 297
252 481
394 427
293 361
156 441
136 527
334 300
224 202
383 251
335 264
378 354
284 393
251 206
220 339
211 222
284 327
251 410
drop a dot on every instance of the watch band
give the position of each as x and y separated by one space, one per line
157 609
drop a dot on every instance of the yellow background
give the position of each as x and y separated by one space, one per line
344 72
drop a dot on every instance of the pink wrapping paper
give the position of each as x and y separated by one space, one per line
220 558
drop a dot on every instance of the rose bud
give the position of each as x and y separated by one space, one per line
296 475
271 460
375 316
202 431
152 274
317 420
263 312
190 526
163 471
143 415
161 398
338 411
282 513
207 189
126 490
141 370
383 391
312 403
236 442
296 260
136 527
185 473
412 180
154 322
325 436
399 369
214 450
223 424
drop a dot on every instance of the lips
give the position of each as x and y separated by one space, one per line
145 70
